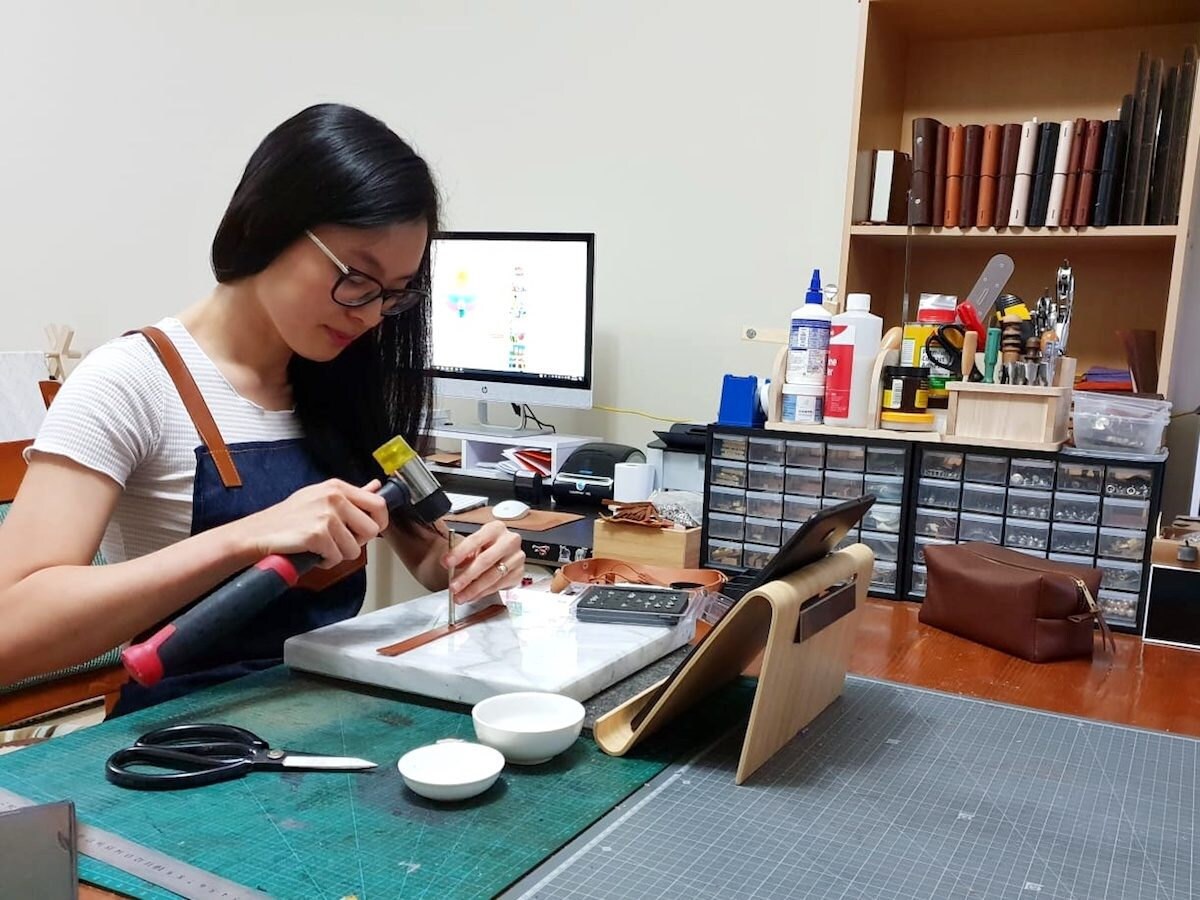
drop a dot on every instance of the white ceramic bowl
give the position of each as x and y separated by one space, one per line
450 769
528 727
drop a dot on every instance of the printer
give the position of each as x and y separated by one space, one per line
588 473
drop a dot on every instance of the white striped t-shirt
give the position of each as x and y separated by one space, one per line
120 414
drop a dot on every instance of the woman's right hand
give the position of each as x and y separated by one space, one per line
332 519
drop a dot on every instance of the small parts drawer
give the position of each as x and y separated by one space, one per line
726 554
766 450
1024 504
1037 474
1129 483
729 446
761 477
983 498
800 509
885 461
942 464
803 481
727 500
985 469
884 575
843 485
1067 538
881 517
1119 575
728 474
1021 535
884 546
1121 513
1082 478
885 488
763 531
988 529
935 523
936 493
845 457
764 506
1119 543
805 454
726 527
1083 509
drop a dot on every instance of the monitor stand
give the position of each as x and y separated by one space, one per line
483 426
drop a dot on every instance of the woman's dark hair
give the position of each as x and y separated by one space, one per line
333 164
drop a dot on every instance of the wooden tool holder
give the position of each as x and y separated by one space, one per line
802 625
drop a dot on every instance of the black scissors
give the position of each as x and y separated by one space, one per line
944 346
188 756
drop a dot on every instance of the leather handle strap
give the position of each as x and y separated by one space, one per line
194 403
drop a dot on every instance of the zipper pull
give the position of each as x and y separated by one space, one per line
1088 599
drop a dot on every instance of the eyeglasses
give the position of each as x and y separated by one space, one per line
354 288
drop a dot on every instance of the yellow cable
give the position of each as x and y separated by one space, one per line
637 412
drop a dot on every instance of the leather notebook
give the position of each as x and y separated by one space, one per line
1009 147
1087 173
954 171
1106 207
939 175
1039 199
989 175
1078 135
924 171
972 161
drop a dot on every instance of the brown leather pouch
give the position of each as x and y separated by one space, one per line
1032 608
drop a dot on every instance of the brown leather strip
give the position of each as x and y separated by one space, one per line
49 391
319 579
428 637
194 403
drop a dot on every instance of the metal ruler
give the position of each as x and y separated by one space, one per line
147 863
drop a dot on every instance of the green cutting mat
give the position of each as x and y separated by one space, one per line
333 834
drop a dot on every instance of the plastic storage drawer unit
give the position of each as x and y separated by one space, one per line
1083 509
805 454
885 460
985 469
983 498
761 477
943 464
986 529
729 446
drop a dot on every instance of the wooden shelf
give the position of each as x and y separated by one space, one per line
1123 233
954 19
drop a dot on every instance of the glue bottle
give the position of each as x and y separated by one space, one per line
854 341
808 343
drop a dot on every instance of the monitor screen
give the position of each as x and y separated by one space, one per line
512 315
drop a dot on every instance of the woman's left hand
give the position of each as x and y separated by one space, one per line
489 560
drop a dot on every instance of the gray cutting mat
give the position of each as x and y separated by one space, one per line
898 792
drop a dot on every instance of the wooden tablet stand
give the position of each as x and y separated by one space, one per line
804 627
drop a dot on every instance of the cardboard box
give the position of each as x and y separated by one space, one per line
678 547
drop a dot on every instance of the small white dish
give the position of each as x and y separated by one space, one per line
451 769
528 727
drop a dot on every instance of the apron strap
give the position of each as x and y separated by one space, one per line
194 403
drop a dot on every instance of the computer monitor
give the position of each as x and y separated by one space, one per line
512 318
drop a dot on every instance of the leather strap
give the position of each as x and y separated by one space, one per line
615 571
194 403
433 634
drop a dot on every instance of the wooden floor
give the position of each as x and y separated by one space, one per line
1144 685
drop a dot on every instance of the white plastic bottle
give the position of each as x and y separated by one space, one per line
808 343
854 339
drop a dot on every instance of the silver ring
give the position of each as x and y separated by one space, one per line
503 568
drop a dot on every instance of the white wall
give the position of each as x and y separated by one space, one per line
705 144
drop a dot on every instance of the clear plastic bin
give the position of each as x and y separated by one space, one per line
1024 504
727 500
725 527
983 498
1119 608
944 464
1120 575
763 531
886 488
884 546
787 530
764 505
1081 508
728 474
843 485
940 494
806 482
882 517
883 577
724 553
1082 478
1119 543
800 509
806 454
761 477
766 450
729 446
986 469
1129 483
936 523
1023 535
1120 513
919 545
1125 424
1086 561
988 529
1077 539
755 556
845 457
885 460
920 581
1037 474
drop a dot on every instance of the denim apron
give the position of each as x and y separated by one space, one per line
234 481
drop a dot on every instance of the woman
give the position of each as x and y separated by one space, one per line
245 426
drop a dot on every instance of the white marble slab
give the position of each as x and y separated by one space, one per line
536 646
21 405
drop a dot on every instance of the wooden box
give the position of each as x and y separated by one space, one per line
679 547
1004 415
